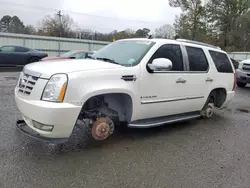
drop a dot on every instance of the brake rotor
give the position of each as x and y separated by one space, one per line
102 128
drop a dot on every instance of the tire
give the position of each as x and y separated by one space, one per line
241 84
208 109
34 59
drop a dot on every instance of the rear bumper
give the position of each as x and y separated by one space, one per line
242 76
229 99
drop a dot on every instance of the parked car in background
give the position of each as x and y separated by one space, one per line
235 63
243 73
73 54
13 56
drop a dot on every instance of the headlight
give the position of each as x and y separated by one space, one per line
55 89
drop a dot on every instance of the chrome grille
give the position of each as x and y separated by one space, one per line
26 84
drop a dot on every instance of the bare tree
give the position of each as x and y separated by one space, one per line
57 26
166 31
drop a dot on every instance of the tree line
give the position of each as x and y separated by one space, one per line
224 23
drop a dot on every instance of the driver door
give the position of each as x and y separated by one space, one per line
164 93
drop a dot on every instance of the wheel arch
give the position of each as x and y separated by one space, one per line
218 96
118 100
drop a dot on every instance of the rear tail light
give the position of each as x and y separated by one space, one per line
234 86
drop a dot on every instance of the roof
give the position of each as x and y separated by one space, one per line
179 41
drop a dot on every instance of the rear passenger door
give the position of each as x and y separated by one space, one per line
199 76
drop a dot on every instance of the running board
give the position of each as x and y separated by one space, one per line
153 122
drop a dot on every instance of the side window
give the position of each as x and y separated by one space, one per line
8 49
21 49
197 59
171 52
80 55
221 62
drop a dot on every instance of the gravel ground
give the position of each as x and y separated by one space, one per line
195 154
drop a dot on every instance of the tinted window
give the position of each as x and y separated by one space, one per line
197 59
21 49
221 62
8 49
171 52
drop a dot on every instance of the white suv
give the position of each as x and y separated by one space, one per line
139 82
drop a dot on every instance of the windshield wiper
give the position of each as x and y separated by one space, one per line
108 60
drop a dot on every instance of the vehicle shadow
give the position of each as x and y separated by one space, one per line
82 140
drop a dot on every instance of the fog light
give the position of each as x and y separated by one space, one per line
43 127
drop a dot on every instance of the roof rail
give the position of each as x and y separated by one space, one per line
199 43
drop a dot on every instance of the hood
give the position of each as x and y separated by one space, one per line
247 61
48 68
53 58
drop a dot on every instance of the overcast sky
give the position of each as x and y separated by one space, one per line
100 15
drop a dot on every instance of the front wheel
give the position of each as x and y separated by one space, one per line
241 84
34 59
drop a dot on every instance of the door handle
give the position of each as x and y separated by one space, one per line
209 80
180 80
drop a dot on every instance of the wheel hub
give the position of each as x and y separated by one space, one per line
102 128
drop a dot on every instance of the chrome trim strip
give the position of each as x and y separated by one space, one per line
191 72
31 73
171 100
163 122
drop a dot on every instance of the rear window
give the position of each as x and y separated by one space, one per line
221 62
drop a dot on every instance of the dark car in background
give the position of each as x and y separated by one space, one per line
18 56
73 54
235 63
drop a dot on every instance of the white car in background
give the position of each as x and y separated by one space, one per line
243 73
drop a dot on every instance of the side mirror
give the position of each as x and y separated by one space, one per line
161 64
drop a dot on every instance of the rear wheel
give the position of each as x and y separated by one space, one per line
241 84
208 109
34 59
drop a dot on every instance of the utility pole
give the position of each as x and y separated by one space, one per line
60 31
60 22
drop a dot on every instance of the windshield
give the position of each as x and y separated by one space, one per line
68 54
128 52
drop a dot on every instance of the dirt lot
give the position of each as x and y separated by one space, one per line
196 154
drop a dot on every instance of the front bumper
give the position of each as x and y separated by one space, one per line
26 130
62 116
242 76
